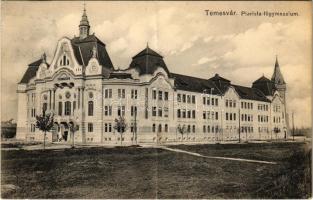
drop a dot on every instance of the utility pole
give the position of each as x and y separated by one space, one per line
239 124
293 128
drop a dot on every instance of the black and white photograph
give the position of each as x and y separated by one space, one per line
156 99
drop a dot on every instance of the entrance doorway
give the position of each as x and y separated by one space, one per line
64 130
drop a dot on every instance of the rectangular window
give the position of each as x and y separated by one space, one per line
106 93
166 96
204 129
105 127
204 100
208 101
110 127
226 116
121 93
178 113
226 103
230 103
121 110
133 110
183 113
234 116
216 115
204 115
178 97
193 114
193 99
134 94
184 98
154 94
230 116
165 112
216 102
106 110
154 111
160 112
160 95
189 114
212 100
60 108
188 99
90 127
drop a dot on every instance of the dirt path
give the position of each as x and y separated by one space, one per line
217 157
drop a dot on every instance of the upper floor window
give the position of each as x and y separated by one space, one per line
154 94
160 95
179 97
134 94
193 99
121 110
90 108
67 108
44 107
133 110
165 96
64 61
108 93
60 108
121 93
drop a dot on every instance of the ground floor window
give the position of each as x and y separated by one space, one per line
90 127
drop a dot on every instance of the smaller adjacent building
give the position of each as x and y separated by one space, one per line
81 85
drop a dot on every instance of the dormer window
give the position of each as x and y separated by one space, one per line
64 61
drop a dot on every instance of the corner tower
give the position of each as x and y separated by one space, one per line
279 82
84 26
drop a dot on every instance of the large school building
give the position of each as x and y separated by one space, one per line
81 86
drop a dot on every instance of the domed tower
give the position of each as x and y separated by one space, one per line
84 26
279 82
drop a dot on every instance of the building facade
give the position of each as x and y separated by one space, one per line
81 86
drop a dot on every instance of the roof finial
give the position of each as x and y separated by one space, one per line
147 44
276 61
84 6
43 57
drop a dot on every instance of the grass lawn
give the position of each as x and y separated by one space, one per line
155 173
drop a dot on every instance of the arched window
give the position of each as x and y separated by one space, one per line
64 61
44 107
153 128
67 108
166 128
60 108
160 128
90 108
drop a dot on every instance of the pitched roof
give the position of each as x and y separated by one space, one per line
147 61
262 79
250 93
277 77
221 83
83 51
31 71
264 85
193 84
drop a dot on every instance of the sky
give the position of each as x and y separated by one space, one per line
239 48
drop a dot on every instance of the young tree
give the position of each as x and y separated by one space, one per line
120 126
181 130
44 123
